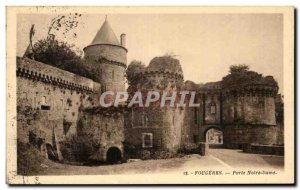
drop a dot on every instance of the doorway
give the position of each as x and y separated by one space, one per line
214 137
113 155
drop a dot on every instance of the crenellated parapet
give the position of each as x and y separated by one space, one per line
164 74
103 60
36 71
165 66
250 90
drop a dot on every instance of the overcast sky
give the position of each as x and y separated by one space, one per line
206 44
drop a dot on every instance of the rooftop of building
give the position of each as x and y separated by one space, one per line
105 35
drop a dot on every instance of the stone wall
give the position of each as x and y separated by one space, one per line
280 134
264 149
52 97
110 52
108 63
237 135
110 76
248 116
100 130
192 123
212 110
165 124
161 80
249 109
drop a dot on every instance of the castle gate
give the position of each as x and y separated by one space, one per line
212 134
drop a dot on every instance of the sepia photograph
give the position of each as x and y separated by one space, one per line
150 95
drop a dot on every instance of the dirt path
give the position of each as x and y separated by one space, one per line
218 159
147 166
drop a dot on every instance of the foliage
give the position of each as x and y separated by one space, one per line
137 81
63 56
28 159
145 154
59 53
238 68
55 53
189 148
160 154
240 74
166 62
134 72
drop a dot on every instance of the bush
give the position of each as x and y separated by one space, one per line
145 154
130 151
189 148
28 159
162 155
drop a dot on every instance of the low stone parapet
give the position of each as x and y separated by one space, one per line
263 149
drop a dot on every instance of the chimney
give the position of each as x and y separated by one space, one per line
123 40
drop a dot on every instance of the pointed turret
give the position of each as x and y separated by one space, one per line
105 35
106 48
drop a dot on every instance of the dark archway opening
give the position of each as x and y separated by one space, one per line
51 153
113 155
214 137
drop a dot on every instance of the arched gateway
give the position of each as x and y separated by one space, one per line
214 135
113 155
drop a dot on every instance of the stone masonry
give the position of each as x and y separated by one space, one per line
54 104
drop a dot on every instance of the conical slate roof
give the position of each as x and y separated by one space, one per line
105 35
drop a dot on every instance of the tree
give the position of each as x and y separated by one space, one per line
238 68
59 53
63 56
55 53
52 51
134 72
240 74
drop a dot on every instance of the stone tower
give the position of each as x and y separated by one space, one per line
157 128
107 57
248 114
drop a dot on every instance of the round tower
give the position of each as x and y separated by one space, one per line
108 58
161 126
164 72
249 113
